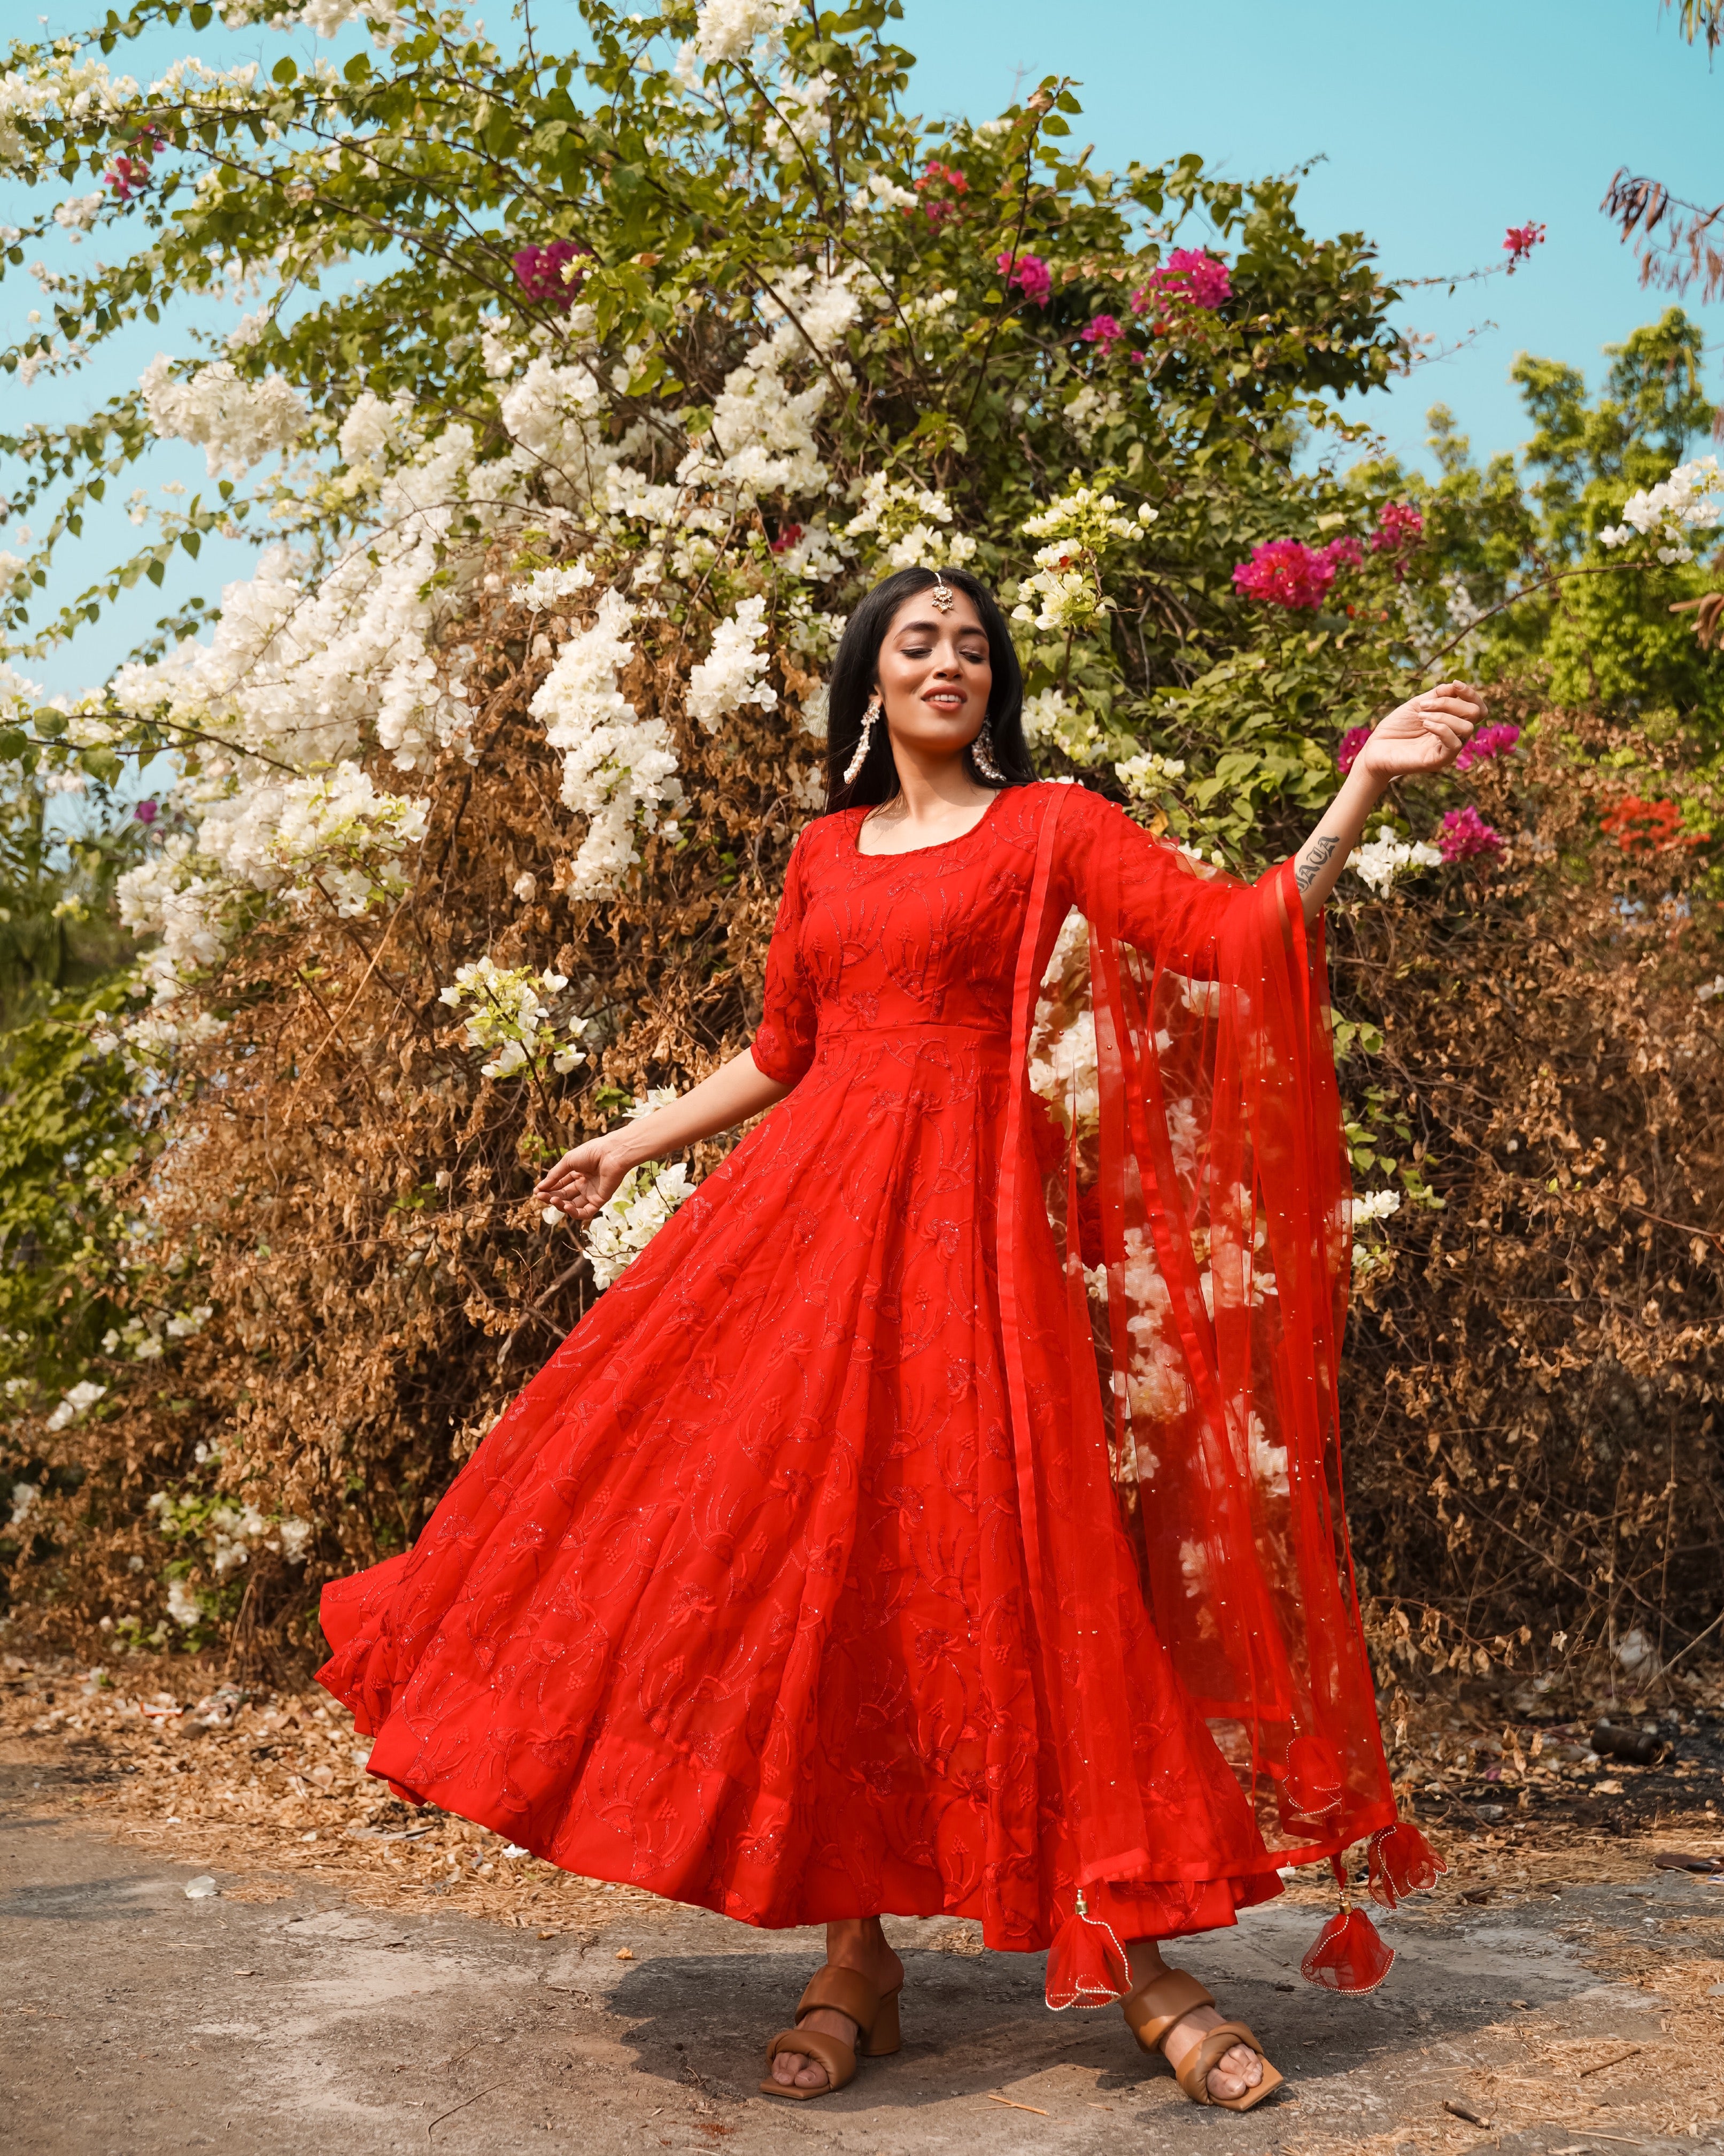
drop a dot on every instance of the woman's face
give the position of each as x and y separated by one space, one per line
934 674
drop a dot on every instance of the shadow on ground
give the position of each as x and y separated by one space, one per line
275 2016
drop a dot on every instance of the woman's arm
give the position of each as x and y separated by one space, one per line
1424 736
583 1180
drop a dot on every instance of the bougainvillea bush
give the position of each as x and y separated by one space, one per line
577 396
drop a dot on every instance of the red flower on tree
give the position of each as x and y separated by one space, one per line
1647 827
1465 835
1519 242
541 273
1105 331
1286 572
1189 280
1399 525
938 208
1399 528
1486 745
129 175
1030 274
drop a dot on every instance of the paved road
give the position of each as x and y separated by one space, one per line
142 2021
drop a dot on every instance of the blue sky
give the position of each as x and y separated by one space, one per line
1438 126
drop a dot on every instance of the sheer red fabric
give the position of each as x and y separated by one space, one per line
1348 1955
1086 1964
1400 1861
943 1513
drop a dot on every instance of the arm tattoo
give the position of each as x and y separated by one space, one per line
1322 848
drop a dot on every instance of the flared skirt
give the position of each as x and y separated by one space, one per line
729 1604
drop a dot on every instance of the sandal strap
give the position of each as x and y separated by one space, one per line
832 2053
1194 2070
841 1991
1154 2007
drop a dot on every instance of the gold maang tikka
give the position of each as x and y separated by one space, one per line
941 594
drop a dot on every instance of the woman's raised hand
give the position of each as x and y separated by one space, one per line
582 1179
1424 735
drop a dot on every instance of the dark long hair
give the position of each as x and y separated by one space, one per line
854 673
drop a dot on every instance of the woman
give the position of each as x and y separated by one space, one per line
940 1514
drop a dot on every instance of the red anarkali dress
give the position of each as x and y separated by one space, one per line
942 1513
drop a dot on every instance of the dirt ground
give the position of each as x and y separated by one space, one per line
348 1976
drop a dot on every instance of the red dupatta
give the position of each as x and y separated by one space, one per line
1179 1135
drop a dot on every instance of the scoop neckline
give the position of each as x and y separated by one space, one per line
938 846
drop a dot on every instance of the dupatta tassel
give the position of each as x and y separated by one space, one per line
1400 1862
1348 1955
1086 1964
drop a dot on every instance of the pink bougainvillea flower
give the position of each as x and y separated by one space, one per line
1464 834
1487 744
539 272
936 173
786 538
1030 274
146 812
1519 242
1285 572
1188 278
1399 525
937 208
1344 552
1352 742
1105 331
128 177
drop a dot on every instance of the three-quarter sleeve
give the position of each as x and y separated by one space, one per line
783 1048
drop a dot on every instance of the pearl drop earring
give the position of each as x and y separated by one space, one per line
865 740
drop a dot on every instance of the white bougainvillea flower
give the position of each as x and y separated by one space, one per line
726 30
234 422
507 1018
1148 777
1686 502
733 673
79 1401
618 769
546 586
338 835
1388 855
908 525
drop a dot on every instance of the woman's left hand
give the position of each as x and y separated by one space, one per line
1424 735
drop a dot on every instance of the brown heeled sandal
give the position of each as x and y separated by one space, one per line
840 1991
1151 2011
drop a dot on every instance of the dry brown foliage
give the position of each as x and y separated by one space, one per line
1534 1381
352 1195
